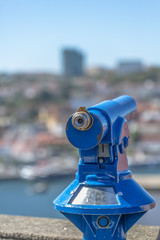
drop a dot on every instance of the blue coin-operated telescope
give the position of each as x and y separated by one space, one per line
104 201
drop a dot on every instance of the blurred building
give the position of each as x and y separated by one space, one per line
73 63
129 67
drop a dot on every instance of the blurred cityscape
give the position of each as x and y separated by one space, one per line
34 108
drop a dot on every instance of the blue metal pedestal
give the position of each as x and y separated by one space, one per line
104 201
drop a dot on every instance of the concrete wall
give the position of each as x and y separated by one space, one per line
28 228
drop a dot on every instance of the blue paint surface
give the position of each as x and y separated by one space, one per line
104 189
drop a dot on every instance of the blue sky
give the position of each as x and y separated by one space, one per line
33 32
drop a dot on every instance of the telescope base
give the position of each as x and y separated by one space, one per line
104 227
106 235
107 238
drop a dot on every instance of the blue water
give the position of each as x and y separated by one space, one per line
15 199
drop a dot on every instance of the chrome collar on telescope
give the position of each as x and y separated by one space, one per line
82 119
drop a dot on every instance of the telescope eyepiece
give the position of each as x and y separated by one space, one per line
81 120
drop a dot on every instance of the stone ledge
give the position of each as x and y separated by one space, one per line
29 228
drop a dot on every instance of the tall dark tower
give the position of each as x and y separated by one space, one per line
73 63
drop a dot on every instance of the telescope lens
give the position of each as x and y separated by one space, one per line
81 120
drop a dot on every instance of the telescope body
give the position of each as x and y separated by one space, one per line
104 201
